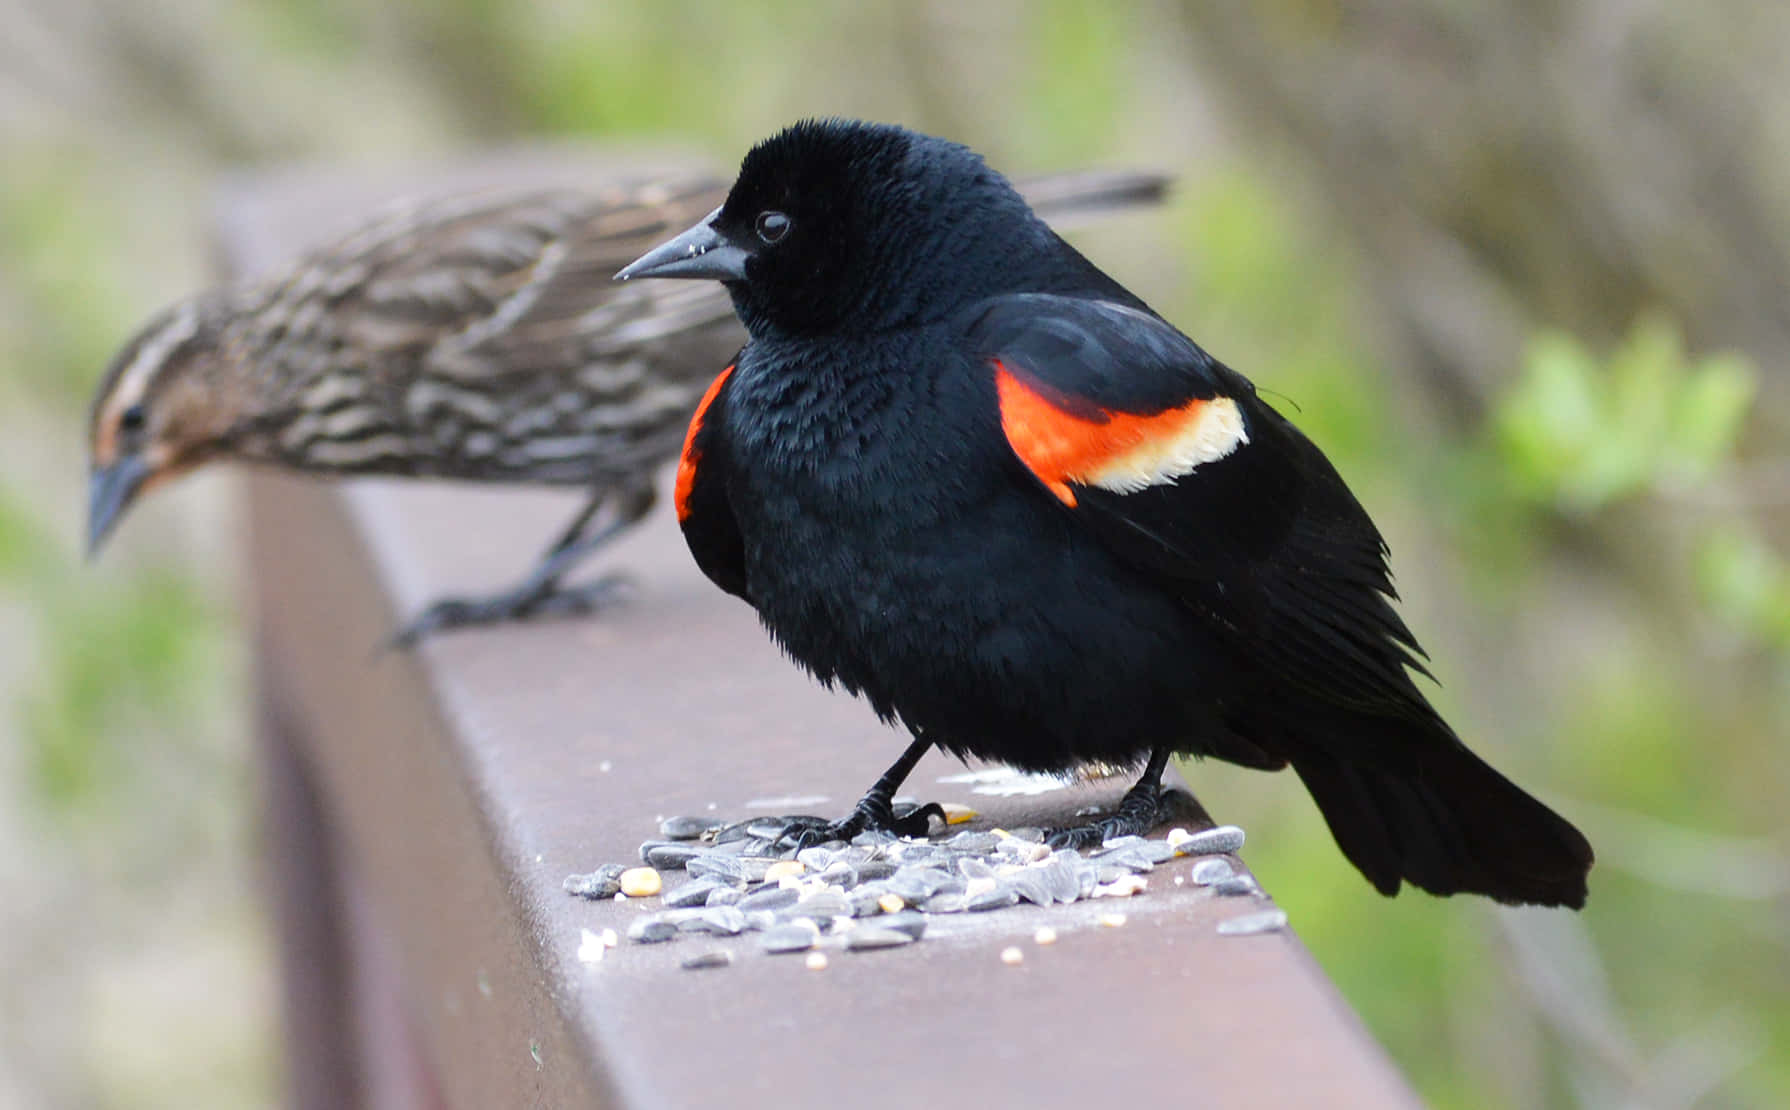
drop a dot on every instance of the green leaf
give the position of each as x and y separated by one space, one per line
1710 411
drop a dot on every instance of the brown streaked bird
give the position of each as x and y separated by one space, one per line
476 337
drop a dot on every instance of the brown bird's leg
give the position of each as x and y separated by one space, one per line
540 592
1137 814
875 810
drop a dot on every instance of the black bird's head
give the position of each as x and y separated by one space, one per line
835 220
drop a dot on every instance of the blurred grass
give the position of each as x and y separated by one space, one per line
1591 548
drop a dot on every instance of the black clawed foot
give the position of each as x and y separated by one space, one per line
1136 815
870 814
516 605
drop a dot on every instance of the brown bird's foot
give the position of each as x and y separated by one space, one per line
1142 809
512 605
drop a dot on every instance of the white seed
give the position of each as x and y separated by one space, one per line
1044 935
891 903
590 947
641 882
816 961
1012 957
1112 920
785 869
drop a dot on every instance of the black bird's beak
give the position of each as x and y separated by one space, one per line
700 252
110 491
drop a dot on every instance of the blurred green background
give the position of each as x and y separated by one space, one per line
1522 270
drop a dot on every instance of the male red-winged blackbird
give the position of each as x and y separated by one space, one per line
964 473
472 337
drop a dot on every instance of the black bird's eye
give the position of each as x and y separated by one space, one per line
772 226
131 420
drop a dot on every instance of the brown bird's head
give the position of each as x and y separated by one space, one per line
168 402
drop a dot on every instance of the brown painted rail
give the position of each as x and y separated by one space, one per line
424 808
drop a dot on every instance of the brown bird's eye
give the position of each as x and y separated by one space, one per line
772 226
131 420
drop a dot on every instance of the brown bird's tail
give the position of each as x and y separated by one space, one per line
1452 825
1077 197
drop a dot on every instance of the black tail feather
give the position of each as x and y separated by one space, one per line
1450 825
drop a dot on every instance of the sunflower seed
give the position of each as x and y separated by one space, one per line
604 882
872 936
651 930
686 828
793 937
1267 921
1224 838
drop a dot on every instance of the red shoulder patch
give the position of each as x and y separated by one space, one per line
687 460
1120 451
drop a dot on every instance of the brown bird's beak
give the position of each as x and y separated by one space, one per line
110 491
701 252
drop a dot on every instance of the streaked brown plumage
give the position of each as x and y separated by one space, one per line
477 337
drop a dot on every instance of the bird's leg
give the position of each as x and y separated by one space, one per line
540 592
875 810
1138 812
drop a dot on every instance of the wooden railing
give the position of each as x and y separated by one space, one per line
424 808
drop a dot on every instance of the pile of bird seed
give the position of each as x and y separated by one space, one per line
878 891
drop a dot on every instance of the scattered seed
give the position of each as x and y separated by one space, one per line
1044 935
1208 842
601 883
651 930
784 868
720 921
891 903
996 897
696 892
668 855
770 898
872 936
822 904
816 961
1235 887
958 815
641 882
720 957
591 948
1012 957
793 937
685 828
1123 887
1112 920
908 921
1267 921
1209 871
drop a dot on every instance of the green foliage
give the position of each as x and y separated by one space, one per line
1746 583
1077 65
1578 432
59 242
1268 300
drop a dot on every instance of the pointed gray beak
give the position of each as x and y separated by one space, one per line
700 252
110 491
